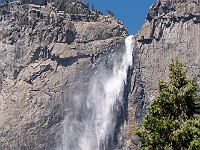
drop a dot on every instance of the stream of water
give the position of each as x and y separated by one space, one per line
94 127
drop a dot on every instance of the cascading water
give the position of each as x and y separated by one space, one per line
93 123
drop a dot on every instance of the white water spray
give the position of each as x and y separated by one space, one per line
92 128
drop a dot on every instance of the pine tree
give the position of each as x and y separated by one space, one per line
110 13
173 119
93 9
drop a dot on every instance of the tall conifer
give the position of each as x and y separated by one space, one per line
173 118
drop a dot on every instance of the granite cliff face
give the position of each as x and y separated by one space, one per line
171 30
47 54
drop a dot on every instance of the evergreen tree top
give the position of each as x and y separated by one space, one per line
173 119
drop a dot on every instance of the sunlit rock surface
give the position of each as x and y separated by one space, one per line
171 30
47 53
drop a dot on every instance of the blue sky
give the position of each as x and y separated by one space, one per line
131 12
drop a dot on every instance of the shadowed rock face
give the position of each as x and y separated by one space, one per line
171 29
45 57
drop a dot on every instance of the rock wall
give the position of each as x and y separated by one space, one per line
47 53
45 56
171 30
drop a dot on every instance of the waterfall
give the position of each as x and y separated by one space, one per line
92 127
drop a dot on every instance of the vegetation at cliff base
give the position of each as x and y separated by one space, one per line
173 119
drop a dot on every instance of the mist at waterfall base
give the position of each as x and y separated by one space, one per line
92 123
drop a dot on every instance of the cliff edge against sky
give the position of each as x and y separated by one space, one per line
48 53
171 30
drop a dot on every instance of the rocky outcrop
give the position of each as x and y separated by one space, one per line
46 54
171 30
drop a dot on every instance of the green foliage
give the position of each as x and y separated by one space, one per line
93 9
110 13
173 119
96 16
